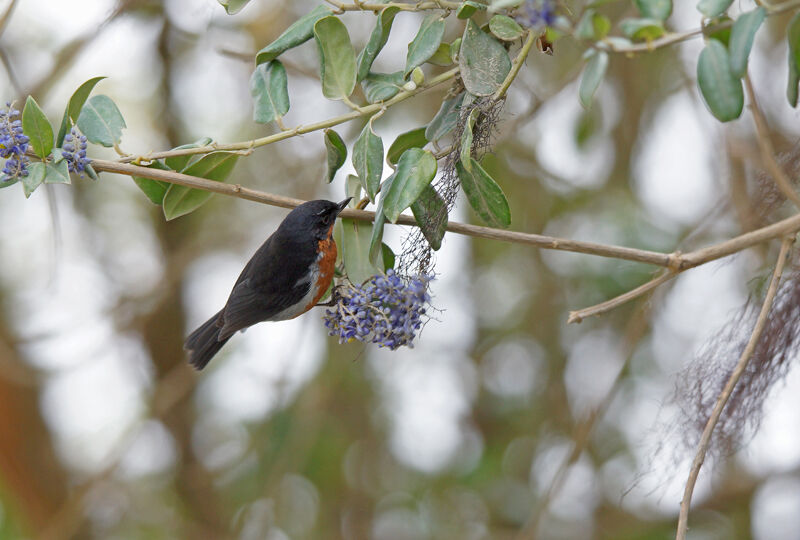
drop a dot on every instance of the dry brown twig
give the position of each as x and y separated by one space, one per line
722 400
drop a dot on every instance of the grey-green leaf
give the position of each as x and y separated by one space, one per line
356 237
654 9
484 195
337 153
483 61
592 77
178 163
74 106
468 8
430 211
301 31
368 160
466 138
352 188
36 173
414 138
378 38
57 173
741 41
270 91
713 8
446 118
37 128
180 200
722 91
233 7
337 58
377 226
382 86
505 28
425 43
415 171
101 121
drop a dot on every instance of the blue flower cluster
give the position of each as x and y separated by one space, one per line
74 151
13 144
386 310
537 14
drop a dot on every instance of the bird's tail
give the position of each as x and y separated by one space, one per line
204 342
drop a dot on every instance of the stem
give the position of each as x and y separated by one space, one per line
516 66
722 400
299 130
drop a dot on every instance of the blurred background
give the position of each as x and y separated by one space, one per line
503 421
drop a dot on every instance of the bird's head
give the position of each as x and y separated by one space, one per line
316 217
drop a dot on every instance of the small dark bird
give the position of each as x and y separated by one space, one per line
285 278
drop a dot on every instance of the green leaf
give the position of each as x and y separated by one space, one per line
382 86
592 26
368 160
483 60
714 30
233 6
178 163
36 174
442 57
37 128
793 37
337 153
410 139
501 4
642 29
742 35
466 137
337 58
301 31
153 189
356 236
90 172
654 9
378 38
446 118
6 182
180 200
468 8
430 211
56 173
425 43
505 28
592 77
352 188
101 121
713 8
388 257
74 106
484 195
269 88
721 90
415 170
378 224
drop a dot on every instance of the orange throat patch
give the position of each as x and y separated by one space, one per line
327 263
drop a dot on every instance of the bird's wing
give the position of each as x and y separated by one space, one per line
247 305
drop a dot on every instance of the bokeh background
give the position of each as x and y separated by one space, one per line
105 432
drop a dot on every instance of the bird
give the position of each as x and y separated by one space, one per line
285 277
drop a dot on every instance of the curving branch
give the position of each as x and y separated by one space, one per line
359 112
722 400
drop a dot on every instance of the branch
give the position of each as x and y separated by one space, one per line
367 110
765 145
417 6
608 305
705 439
516 66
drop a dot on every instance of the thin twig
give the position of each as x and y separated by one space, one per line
416 6
608 305
765 145
519 60
722 400
299 130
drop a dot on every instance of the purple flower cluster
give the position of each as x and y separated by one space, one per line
386 310
74 151
13 144
537 14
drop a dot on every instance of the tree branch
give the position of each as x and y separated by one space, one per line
367 110
705 439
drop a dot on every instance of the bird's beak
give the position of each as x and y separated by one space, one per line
341 206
